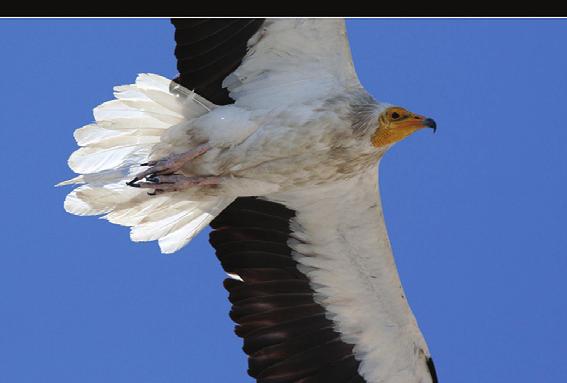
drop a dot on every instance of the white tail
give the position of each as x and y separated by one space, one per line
126 133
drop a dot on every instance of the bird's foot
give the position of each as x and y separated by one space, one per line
169 165
174 182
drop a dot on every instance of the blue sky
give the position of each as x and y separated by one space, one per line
476 213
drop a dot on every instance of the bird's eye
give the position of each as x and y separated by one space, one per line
395 115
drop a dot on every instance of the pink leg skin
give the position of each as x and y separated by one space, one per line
170 164
175 182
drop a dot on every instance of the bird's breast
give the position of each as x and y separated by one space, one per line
304 145
308 168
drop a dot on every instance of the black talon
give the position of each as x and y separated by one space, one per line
154 193
145 164
152 179
133 183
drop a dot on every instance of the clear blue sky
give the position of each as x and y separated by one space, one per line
477 213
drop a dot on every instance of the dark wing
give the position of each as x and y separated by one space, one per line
208 50
286 333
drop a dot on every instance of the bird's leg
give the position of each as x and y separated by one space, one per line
175 182
170 164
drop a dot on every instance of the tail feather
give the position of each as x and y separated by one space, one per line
129 130
93 134
178 238
95 159
152 231
133 214
111 110
175 227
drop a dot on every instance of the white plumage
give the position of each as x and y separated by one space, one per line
126 133
344 249
301 133
294 61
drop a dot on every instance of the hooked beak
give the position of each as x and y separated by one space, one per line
430 123
417 122
396 123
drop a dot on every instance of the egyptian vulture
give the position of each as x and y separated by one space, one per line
267 136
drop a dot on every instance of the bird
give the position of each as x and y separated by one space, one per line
268 136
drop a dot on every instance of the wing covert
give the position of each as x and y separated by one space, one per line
292 61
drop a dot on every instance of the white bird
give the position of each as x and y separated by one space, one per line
268 136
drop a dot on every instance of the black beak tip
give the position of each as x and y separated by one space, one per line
429 122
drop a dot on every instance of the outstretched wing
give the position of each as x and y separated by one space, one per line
287 334
315 290
264 63
292 61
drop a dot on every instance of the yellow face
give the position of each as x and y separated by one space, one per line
397 123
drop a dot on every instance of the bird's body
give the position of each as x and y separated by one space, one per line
289 147
288 176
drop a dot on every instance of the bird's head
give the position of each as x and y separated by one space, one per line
395 124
